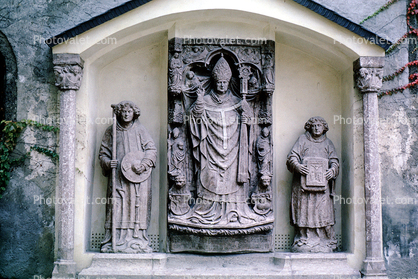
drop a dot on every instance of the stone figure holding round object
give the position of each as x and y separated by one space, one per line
127 216
315 166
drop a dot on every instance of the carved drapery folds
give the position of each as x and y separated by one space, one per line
219 143
368 72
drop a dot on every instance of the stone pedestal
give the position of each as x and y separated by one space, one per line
220 244
266 265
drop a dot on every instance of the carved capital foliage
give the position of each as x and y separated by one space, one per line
68 69
368 73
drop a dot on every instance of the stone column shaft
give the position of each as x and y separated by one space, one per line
67 174
369 73
68 72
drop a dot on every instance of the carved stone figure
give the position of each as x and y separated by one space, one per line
264 157
192 81
176 159
262 197
175 74
221 93
315 166
68 76
127 216
217 140
369 79
268 72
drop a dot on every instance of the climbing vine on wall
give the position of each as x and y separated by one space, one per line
9 138
381 9
412 32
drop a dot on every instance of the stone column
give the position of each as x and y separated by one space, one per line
68 70
368 77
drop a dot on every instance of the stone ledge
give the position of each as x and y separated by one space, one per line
266 265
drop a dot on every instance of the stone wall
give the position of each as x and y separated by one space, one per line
27 221
397 137
27 229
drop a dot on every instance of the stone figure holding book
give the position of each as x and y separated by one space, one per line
315 166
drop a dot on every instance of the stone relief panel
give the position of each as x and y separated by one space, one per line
315 166
219 144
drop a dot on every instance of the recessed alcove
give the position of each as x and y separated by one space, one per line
313 77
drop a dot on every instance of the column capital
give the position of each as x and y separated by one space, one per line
68 69
368 73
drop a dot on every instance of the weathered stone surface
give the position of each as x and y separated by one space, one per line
368 75
315 166
220 244
26 252
260 265
27 225
218 95
383 24
69 73
127 156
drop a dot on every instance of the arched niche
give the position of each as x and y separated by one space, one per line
127 57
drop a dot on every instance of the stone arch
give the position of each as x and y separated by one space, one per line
8 76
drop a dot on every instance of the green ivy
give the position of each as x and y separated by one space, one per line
9 136
381 9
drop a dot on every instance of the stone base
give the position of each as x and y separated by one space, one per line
64 269
179 242
374 268
266 265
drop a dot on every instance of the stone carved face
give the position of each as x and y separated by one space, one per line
127 114
317 129
265 181
265 132
222 86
